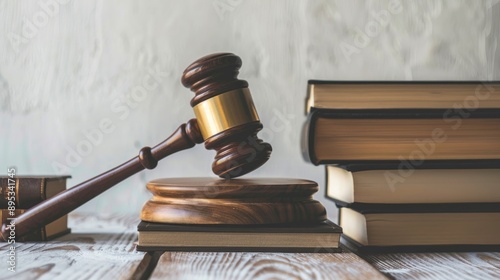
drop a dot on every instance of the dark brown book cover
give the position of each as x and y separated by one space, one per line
428 164
310 152
327 228
368 208
30 190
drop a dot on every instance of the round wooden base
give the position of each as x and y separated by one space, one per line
232 202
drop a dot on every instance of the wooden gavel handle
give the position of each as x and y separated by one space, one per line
185 137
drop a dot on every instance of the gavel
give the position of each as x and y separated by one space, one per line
226 121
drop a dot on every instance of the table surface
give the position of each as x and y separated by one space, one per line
103 247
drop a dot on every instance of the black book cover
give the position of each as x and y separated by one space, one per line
372 208
427 164
29 190
325 227
310 82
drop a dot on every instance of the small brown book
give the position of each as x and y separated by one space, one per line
26 192
323 237
30 190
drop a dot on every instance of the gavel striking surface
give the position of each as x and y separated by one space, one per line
233 202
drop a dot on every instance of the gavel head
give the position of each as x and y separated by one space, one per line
226 115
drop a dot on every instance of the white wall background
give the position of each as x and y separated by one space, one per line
67 66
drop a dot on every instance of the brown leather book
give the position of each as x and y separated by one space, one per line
402 94
324 237
30 190
53 230
396 136
391 121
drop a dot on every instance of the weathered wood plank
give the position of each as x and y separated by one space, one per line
438 266
100 247
187 265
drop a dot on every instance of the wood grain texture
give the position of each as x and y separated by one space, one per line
100 247
184 265
199 200
438 266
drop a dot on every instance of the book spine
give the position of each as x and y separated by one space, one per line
399 208
307 139
400 113
453 164
36 235
28 192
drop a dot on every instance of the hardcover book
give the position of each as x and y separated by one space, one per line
381 185
31 190
421 231
392 136
324 237
402 94
53 230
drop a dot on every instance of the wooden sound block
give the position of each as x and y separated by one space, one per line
233 202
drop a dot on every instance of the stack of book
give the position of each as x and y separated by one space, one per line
410 165
242 215
19 193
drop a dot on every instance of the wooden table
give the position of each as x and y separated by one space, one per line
102 247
